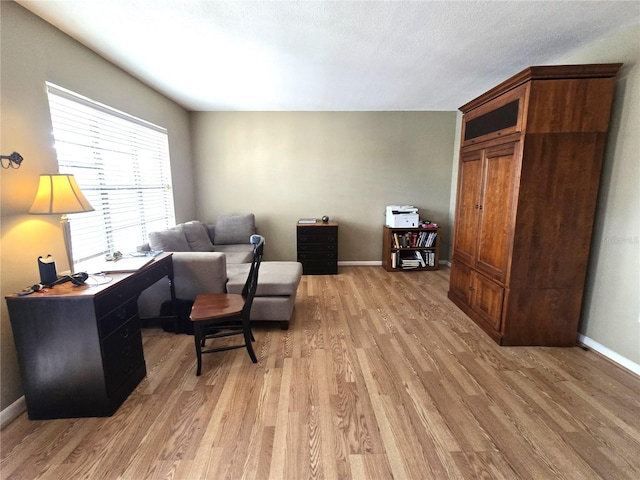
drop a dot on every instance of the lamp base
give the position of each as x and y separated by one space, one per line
66 232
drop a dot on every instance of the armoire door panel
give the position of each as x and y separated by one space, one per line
460 281
496 211
486 299
468 204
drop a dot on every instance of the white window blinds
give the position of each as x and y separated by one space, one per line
121 164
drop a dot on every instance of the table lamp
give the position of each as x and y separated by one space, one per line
59 194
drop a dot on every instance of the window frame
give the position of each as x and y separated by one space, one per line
123 167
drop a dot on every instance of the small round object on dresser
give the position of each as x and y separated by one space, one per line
325 219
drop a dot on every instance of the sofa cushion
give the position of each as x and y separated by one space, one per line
239 253
234 229
197 236
274 278
237 257
171 240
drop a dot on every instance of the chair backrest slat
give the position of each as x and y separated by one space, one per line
251 285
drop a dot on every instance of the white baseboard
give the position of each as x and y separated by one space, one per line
610 354
365 263
12 411
360 263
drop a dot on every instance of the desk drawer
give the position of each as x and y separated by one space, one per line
117 317
119 294
149 276
122 354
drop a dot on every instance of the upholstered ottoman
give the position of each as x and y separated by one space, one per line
277 288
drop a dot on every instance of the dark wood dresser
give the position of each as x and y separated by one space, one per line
80 347
318 248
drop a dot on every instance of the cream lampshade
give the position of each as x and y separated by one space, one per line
59 194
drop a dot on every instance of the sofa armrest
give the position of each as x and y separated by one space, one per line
199 272
194 273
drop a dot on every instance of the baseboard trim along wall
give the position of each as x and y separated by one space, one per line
360 263
370 263
610 354
12 412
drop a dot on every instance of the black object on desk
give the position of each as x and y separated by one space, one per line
47 268
80 347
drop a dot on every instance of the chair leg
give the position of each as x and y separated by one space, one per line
197 335
248 338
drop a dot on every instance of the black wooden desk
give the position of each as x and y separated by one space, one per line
80 347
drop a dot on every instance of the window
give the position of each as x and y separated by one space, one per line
121 163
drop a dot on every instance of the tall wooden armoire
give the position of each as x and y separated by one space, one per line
530 162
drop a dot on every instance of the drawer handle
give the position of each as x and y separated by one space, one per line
124 333
121 313
126 351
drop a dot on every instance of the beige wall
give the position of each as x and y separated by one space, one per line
33 52
347 165
611 314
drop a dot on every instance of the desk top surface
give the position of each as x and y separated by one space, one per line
94 285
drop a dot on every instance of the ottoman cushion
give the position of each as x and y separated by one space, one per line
274 279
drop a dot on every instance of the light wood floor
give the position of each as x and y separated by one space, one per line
379 377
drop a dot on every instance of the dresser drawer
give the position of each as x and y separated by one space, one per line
318 247
319 267
122 354
317 231
317 239
327 255
117 317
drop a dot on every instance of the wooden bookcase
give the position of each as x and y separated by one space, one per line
402 247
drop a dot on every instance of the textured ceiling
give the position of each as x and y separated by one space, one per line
340 55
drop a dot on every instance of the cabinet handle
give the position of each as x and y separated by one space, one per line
124 333
121 313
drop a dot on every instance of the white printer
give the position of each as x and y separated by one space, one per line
402 216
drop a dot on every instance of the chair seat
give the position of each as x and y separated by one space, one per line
209 306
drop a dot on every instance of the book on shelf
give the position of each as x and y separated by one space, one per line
424 239
408 263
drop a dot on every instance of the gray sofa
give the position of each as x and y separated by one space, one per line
215 259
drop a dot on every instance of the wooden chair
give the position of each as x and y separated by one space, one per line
217 315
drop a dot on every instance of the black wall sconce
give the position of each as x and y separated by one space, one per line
15 160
